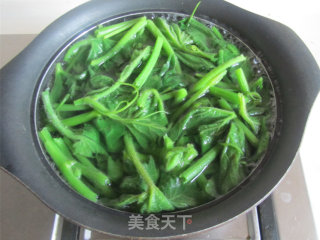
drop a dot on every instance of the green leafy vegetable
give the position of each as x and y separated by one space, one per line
155 115
230 169
180 195
122 42
112 131
176 158
89 142
200 165
156 201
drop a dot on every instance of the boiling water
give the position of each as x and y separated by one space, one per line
259 70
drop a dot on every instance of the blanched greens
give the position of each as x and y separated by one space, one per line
155 115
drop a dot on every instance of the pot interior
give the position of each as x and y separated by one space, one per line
261 68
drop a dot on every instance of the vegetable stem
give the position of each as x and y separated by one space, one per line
216 71
192 172
73 170
80 119
166 45
178 95
216 31
136 160
202 91
71 108
242 80
127 71
74 49
247 132
244 114
122 42
65 166
145 73
109 31
54 119
76 120
97 178
125 74
226 94
193 12
85 161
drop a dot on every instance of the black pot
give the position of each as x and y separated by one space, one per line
292 68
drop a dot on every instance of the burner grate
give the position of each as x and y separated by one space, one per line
260 224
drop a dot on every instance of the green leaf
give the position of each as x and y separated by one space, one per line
130 184
171 80
182 37
257 84
149 103
195 118
102 162
115 171
195 62
165 67
96 49
234 147
176 37
152 169
125 200
128 166
211 132
168 143
204 36
156 202
211 188
100 81
199 38
138 56
113 132
146 131
108 44
181 195
75 50
264 140
148 122
57 88
179 157
89 143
